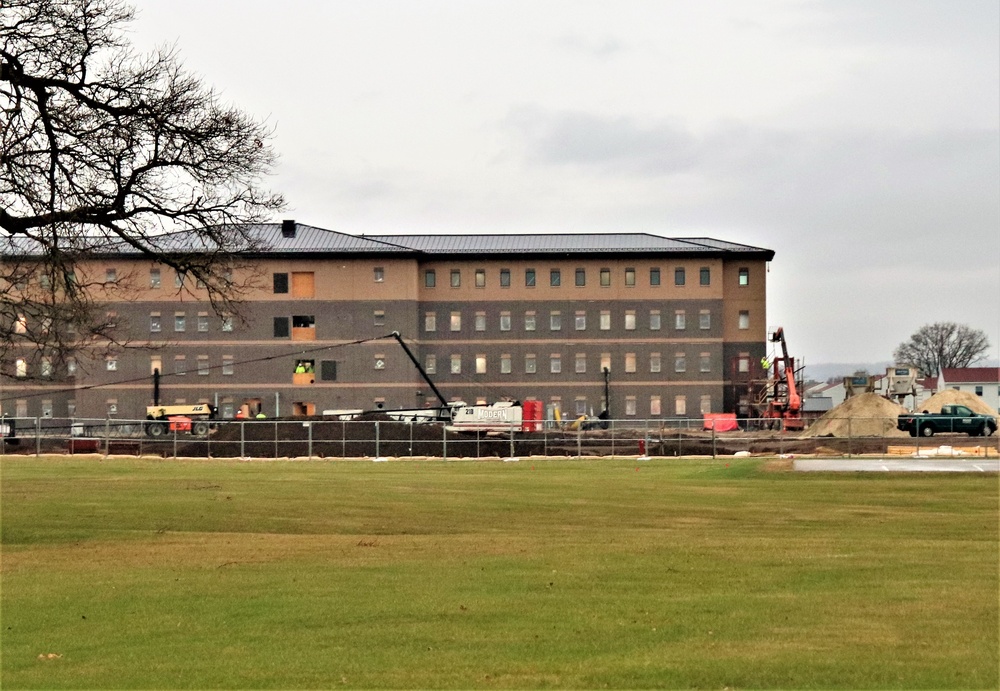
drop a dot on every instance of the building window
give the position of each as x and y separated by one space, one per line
630 407
555 363
456 321
555 321
505 321
21 325
430 278
480 278
530 365
110 275
456 278
555 278
430 321
604 321
154 278
654 405
704 320
281 328
705 362
505 278
581 277
505 364
227 365
180 365
21 367
581 363
379 274
203 365
46 369
480 364
580 405
744 276
71 367
630 320
654 320
227 323
654 277
606 361
378 317
430 363
979 390
154 322
705 276
706 403
178 280
630 362
155 363
743 362
679 277
480 321
654 362
680 363
529 278
203 322
529 321
605 278
679 320
581 321
180 321
630 277
456 364
680 405
744 319
280 283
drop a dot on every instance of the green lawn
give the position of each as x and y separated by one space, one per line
550 573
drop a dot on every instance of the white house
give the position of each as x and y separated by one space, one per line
981 381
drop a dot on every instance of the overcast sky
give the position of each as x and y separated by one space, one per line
859 139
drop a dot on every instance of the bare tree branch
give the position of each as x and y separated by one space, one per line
104 151
943 345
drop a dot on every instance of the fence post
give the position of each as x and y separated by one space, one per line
713 438
377 454
511 441
310 427
38 436
243 439
175 445
444 443
107 436
850 438
275 435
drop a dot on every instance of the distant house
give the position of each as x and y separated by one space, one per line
981 381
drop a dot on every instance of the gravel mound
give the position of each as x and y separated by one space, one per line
952 397
866 415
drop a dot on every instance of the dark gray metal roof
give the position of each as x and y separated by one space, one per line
268 238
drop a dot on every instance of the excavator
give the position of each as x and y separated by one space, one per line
783 400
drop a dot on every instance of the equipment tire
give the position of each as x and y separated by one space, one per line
199 429
156 429
927 431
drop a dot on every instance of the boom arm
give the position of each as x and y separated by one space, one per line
788 371
416 363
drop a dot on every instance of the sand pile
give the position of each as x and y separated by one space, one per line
952 397
867 415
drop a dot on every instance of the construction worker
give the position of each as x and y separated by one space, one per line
300 368
261 416
765 363
240 415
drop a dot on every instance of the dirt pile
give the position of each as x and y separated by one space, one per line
952 397
867 415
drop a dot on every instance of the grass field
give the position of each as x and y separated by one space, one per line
540 574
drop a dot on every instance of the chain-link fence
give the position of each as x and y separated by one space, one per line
317 437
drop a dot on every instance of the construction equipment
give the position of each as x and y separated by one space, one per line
783 402
190 419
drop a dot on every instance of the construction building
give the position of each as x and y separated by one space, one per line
678 323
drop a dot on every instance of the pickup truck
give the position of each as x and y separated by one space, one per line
952 418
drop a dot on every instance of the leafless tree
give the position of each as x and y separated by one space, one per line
944 344
105 152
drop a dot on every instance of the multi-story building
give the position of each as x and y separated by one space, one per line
678 323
